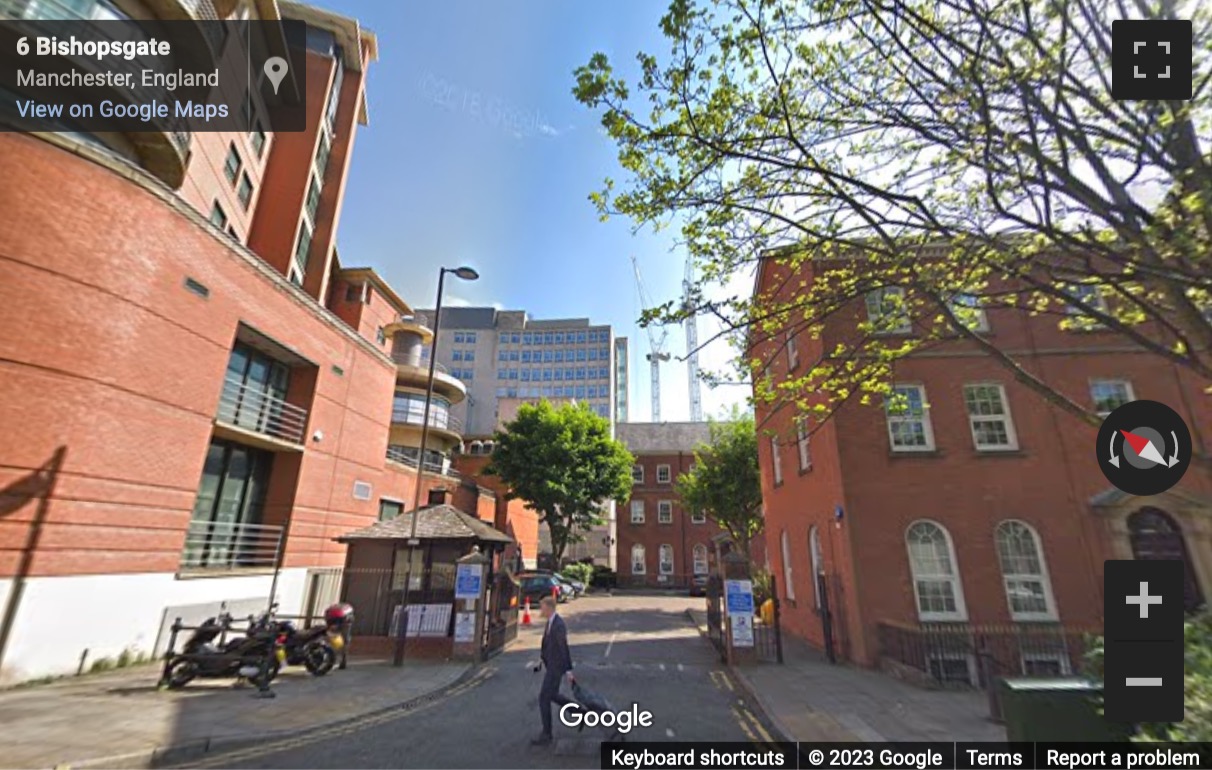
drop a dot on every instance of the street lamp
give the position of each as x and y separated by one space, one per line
467 274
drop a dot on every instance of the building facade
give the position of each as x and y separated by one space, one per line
195 390
660 543
622 380
979 505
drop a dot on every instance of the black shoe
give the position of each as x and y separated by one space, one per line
542 740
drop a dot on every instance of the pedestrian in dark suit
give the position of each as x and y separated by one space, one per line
557 662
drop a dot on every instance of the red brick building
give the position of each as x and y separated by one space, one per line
188 376
981 505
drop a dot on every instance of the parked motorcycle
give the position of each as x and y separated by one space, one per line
253 656
314 648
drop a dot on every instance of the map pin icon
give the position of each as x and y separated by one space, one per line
275 70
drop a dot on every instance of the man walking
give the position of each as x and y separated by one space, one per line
557 661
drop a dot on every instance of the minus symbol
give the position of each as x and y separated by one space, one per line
1144 681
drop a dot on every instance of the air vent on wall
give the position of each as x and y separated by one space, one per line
361 490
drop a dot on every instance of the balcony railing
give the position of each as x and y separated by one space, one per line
422 363
436 420
220 545
246 407
404 457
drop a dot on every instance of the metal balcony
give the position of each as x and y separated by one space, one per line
250 409
218 545
436 420
401 455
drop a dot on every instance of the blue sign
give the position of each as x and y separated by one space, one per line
468 581
738 595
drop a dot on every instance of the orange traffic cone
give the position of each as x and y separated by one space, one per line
526 613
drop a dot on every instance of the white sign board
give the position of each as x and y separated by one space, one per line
468 581
465 627
742 630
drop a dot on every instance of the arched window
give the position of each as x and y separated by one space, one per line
814 551
700 559
788 585
1024 573
637 559
665 559
936 583
1154 535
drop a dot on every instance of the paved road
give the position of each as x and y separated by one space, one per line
632 649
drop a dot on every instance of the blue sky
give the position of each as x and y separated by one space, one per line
477 153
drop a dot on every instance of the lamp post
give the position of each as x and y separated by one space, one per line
467 274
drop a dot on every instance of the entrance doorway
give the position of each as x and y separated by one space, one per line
1154 534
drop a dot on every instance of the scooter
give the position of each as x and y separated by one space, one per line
253 657
313 648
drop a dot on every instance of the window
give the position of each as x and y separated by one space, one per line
559 338
698 517
788 584
665 512
886 310
776 461
581 338
390 509
593 354
469 355
580 354
381 336
322 152
1028 590
580 374
513 355
470 338
546 375
502 356
313 200
637 511
700 559
908 416
1087 293
637 559
513 374
968 311
303 245
666 559
604 373
802 445
989 416
591 391
548 338
458 337
233 164
637 474
793 352
456 355
257 137
527 339
525 375
525 356
663 474
814 553
936 584
245 191
502 374
559 356
516 339
580 391
1108 395
548 356
218 217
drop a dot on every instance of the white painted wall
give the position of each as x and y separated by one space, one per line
61 617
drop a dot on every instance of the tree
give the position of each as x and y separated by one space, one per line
724 482
965 151
564 464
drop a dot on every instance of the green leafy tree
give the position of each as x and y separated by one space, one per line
968 152
724 482
564 464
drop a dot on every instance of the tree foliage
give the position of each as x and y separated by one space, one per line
966 151
564 464
724 482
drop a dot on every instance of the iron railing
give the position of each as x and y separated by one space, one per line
968 655
231 545
244 406
437 419
401 455
420 363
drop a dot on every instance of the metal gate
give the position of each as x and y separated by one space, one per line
501 621
715 615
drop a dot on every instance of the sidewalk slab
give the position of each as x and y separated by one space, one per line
809 699
123 719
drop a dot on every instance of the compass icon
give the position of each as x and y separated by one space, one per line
1144 448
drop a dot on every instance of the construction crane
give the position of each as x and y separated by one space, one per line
656 343
692 342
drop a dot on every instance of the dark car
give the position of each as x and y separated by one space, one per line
698 586
604 577
536 586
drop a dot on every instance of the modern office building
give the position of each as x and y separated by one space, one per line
194 389
979 511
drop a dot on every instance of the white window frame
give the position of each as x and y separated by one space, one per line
1043 578
793 352
665 548
664 474
803 447
957 586
701 565
981 318
969 660
1006 417
788 571
877 314
637 507
814 555
664 512
776 460
1096 300
642 563
698 517
1110 381
1066 667
927 427
637 474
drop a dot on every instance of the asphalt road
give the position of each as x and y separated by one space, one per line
631 649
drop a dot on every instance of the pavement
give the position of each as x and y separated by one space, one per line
808 699
631 649
121 719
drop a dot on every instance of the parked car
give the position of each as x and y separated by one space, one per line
577 586
604 577
535 586
698 585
